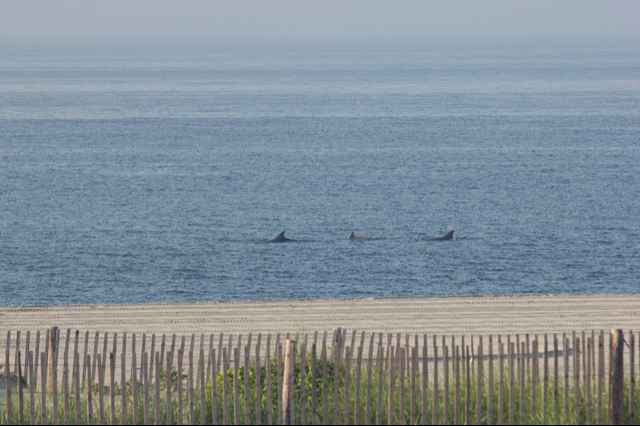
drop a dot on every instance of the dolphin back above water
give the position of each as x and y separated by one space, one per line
355 237
280 238
446 237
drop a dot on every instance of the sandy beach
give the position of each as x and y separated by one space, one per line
450 316
209 324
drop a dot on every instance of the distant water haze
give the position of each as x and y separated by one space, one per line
159 174
224 22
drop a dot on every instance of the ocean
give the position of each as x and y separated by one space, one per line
159 175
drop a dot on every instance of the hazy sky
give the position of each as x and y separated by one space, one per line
241 20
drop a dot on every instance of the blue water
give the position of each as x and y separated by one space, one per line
131 176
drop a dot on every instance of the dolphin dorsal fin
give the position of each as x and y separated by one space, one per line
352 236
280 238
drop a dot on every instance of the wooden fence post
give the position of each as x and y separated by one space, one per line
53 358
287 382
616 400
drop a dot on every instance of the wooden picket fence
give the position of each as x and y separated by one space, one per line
51 377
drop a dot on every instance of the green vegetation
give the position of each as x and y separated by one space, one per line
402 403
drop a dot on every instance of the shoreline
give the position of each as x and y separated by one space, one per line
434 298
438 315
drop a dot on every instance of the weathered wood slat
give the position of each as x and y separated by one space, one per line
287 382
247 390
8 401
379 410
145 387
278 382
169 418
43 391
123 380
565 402
526 359
214 387
163 349
425 379
143 349
479 380
134 380
94 357
269 384
236 384
77 387
512 383
545 381
600 379
105 343
534 354
445 388
101 406
346 405
403 372
157 419
179 388
36 356
414 374
632 374
314 380
490 385
467 383
616 400
576 376
337 356
391 404
258 380
225 387
112 386
457 385
220 343
89 389
258 393
20 388
586 383
501 394
32 389
556 379
435 418
152 360
202 382
190 384
522 382
589 401
303 389
65 379
27 348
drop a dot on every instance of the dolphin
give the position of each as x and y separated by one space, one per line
280 238
446 237
354 237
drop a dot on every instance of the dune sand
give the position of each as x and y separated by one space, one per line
450 316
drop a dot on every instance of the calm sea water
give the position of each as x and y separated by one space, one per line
134 176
